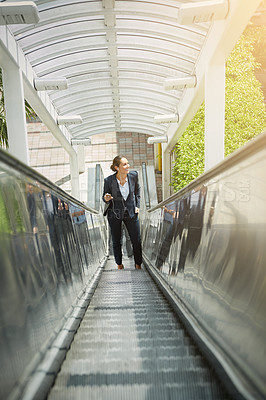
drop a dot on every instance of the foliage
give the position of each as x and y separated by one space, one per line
3 125
258 36
244 105
189 152
245 115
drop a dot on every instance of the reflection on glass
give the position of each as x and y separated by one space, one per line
46 253
167 232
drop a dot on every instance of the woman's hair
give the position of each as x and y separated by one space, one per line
116 163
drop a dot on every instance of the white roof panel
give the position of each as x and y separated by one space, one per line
115 60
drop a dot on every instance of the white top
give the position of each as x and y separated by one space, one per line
124 189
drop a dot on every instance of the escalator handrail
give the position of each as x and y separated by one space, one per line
18 165
237 156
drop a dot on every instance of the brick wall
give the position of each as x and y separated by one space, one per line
49 158
135 148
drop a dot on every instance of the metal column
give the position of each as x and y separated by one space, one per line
214 114
15 113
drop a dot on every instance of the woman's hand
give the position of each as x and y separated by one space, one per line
107 197
136 210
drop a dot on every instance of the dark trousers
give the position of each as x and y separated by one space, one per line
132 225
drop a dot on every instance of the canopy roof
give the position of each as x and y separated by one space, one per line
115 56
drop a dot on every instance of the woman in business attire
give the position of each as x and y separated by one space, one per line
122 192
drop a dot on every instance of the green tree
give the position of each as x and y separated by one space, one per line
245 115
259 46
244 103
189 153
3 126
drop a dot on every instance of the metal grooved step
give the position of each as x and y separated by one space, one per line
130 345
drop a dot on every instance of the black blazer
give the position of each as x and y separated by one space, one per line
118 205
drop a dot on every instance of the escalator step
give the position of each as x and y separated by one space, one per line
133 392
112 365
130 345
89 342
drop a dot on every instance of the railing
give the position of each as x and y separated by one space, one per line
51 247
206 245
145 185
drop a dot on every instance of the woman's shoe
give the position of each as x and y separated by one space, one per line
121 266
138 266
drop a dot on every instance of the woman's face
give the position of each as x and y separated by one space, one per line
123 166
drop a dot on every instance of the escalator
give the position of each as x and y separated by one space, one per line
131 345
190 324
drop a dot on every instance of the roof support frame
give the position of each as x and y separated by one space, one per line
214 114
12 55
221 39
15 113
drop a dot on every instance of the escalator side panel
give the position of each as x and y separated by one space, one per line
208 244
50 246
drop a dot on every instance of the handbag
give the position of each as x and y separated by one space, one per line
106 208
